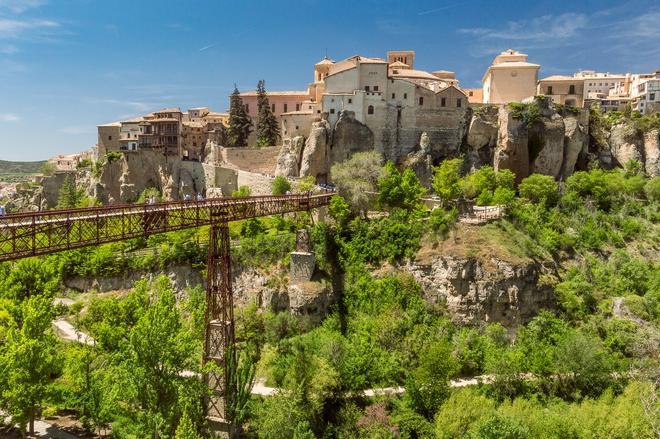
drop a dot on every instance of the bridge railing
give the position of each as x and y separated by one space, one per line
36 233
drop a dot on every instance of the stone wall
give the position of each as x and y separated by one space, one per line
261 160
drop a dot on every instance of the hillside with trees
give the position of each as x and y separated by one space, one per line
584 367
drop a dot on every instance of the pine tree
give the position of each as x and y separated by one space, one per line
240 124
69 195
268 130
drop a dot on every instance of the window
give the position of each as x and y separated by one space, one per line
652 97
375 88
310 107
272 108
297 107
393 96
405 96
421 100
366 88
286 107
549 91
443 102
109 137
332 111
458 103
571 89
370 109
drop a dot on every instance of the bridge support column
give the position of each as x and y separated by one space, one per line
219 333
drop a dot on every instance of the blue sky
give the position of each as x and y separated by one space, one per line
68 65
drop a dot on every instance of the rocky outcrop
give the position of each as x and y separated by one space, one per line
348 137
288 161
477 291
511 151
315 154
421 161
482 136
125 178
652 153
626 143
576 141
546 145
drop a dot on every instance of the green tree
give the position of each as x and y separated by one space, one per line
400 190
69 196
268 130
240 123
428 385
357 177
27 359
280 185
339 210
252 227
157 352
85 374
447 179
539 188
186 428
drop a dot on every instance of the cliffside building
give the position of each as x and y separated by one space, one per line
510 78
175 133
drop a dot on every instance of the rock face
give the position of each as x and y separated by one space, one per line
348 137
315 154
576 141
511 151
181 277
288 162
546 145
124 179
421 161
482 136
652 153
626 143
503 292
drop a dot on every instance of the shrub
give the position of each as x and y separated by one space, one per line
539 189
280 185
243 191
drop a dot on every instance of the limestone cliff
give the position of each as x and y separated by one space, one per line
479 280
124 179
512 150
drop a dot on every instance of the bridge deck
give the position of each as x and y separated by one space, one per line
37 233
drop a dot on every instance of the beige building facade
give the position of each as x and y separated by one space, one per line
510 78
563 90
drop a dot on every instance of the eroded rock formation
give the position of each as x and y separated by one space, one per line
477 291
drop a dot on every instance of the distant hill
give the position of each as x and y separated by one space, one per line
7 167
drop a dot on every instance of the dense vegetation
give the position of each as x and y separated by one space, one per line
581 370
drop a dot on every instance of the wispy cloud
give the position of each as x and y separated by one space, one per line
201 49
441 8
9 117
557 28
16 28
19 6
